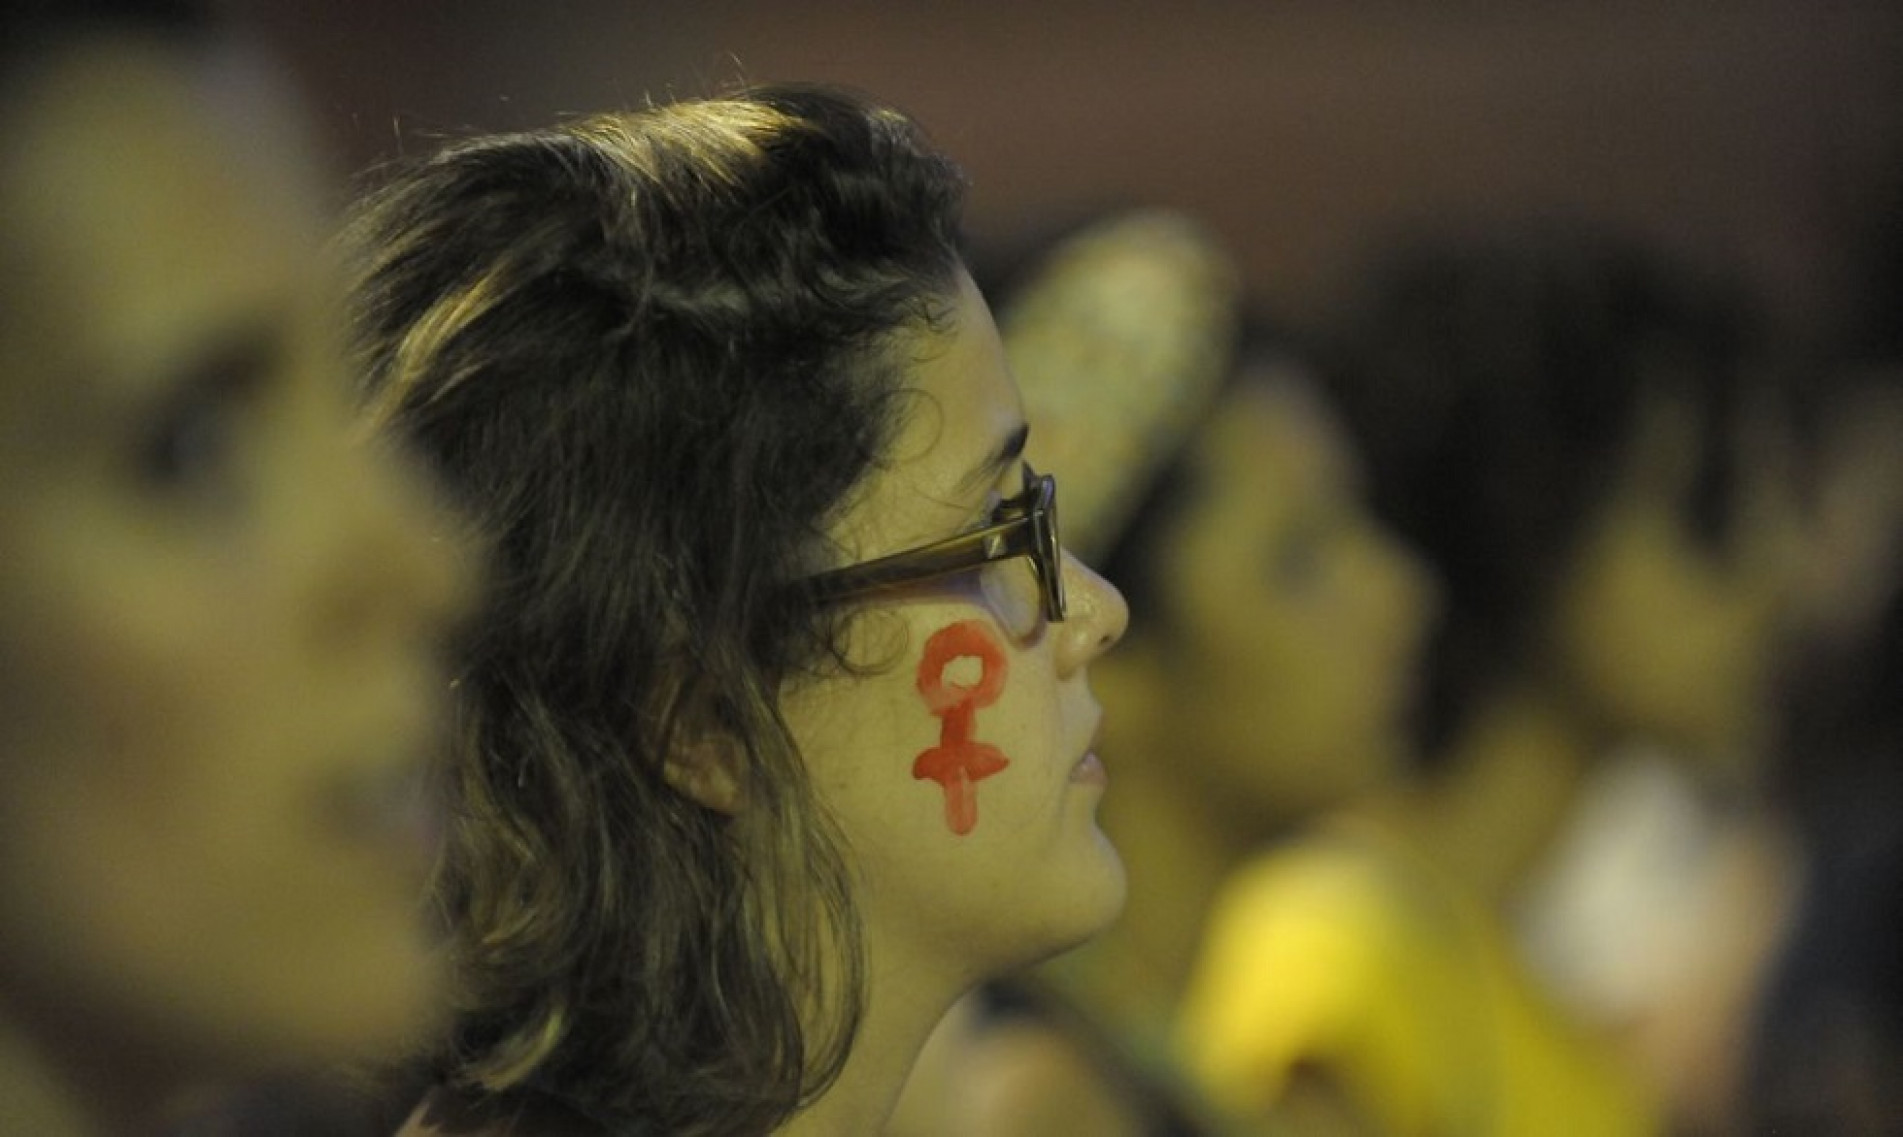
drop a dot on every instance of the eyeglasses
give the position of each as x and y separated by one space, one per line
1028 529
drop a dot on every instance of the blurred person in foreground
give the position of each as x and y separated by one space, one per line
219 618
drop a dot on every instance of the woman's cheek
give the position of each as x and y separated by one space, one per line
962 670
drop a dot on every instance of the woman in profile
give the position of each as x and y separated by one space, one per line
777 735
218 620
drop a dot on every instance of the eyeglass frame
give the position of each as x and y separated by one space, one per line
1031 533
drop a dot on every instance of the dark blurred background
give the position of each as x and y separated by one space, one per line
1758 136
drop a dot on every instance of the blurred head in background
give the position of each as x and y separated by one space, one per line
1276 625
218 619
1586 443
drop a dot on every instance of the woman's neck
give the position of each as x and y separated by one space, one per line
899 1017
1504 789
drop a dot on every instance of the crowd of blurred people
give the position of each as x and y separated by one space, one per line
585 644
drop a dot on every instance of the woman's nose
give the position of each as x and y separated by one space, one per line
1096 619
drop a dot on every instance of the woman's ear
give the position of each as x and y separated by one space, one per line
705 766
706 761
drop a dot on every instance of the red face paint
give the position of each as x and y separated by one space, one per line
958 762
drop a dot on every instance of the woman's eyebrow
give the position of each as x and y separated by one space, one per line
1008 453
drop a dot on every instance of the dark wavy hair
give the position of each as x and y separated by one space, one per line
1494 383
649 353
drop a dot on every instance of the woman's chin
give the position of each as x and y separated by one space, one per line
1097 900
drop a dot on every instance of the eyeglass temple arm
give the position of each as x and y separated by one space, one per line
956 554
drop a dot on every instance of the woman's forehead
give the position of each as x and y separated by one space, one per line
962 432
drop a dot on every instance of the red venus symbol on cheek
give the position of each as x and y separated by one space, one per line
958 762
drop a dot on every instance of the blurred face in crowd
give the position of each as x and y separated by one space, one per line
1294 622
958 756
218 683
1669 634
1853 539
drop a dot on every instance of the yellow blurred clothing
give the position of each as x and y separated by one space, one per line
1345 954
